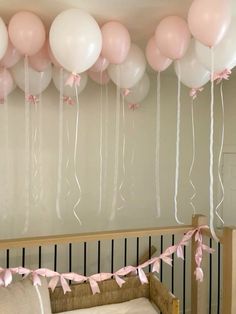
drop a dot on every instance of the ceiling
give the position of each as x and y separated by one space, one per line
139 16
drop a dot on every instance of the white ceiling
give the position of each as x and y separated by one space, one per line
139 16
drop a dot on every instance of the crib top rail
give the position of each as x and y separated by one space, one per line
94 236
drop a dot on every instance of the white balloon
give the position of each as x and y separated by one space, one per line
128 73
67 90
38 81
224 52
139 91
4 38
190 71
75 40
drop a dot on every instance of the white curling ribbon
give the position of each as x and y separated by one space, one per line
7 172
177 150
211 164
157 150
105 167
76 159
60 149
101 150
68 159
193 159
27 146
220 155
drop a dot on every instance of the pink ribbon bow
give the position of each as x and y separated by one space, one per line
73 80
224 75
133 106
194 92
32 99
126 91
68 100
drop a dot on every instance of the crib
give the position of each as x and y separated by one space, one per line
175 290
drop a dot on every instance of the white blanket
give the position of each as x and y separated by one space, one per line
136 306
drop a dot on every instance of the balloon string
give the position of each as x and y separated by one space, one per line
157 153
68 159
132 154
27 146
177 149
106 140
40 168
117 141
75 157
123 154
6 121
34 152
101 148
193 159
220 155
60 148
211 186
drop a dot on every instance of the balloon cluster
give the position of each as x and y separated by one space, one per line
81 48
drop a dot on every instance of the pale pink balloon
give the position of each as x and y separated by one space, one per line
6 83
156 60
115 42
172 37
41 60
52 58
100 65
101 78
27 32
11 57
209 20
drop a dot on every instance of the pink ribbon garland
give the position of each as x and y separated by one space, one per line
133 106
32 99
194 92
68 100
224 75
7 274
73 80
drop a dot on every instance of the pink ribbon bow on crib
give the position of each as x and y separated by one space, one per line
73 80
32 99
224 75
68 100
194 92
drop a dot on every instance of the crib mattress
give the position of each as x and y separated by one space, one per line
136 306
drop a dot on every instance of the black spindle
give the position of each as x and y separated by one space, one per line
219 274
70 259
210 277
184 280
161 264
112 256
85 258
40 256
23 257
125 253
99 256
137 252
149 251
7 258
173 267
55 257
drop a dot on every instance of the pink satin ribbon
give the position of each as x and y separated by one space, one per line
32 99
224 75
194 92
68 100
133 106
73 80
55 277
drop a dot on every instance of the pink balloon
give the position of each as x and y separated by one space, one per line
40 61
6 83
11 57
154 57
101 78
172 37
115 42
209 20
27 32
52 58
100 65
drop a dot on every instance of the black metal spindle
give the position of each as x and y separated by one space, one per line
219 282
137 251
70 257
184 280
99 256
85 258
40 256
149 251
125 253
161 264
7 258
210 277
173 267
112 256
55 258
23 257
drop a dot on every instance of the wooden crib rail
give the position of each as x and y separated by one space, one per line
94 236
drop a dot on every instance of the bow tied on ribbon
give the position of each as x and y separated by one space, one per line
32 99
126 92
68 100
219 76
133 106
195 91
73 80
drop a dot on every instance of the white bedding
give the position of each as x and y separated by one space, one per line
136 306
